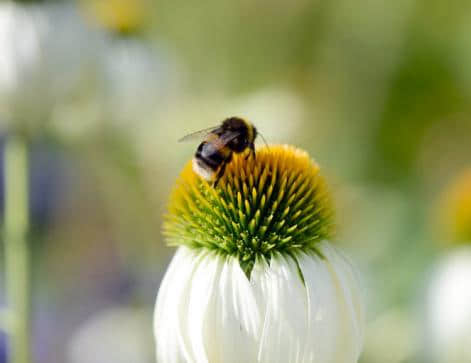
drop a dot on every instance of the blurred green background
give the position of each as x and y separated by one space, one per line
378 92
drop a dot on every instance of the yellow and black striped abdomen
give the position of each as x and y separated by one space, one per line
209 159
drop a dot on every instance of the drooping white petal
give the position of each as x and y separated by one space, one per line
199 295
318 321
208 311
171 336
323 318
205 311
234 318
350 304
285 325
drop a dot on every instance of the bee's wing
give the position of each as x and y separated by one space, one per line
197 135
225 139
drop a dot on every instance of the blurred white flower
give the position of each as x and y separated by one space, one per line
449 310
45 54
19 42
137 81
118 335
208 311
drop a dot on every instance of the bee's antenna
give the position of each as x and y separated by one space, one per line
265 141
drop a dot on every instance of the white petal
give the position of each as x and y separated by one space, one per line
350 304
322 318
209 312
206 311
285 324
234 320
200 298
170 310
319 321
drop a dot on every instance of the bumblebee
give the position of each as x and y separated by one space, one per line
234 135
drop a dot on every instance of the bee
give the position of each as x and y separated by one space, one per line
234 135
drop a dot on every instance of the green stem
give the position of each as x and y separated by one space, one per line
16 248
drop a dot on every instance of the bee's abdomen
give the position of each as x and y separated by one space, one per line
202 169
211 156
208 159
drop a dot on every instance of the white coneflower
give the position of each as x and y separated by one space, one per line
449 309
254 278
46 52
449 293
135 77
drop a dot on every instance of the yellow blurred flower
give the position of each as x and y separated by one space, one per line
124 16
456 208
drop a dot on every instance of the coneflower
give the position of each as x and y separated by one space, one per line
448 300
255 278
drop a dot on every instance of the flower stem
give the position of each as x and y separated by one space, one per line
16 248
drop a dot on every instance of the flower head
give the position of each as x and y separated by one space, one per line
254 278
275 203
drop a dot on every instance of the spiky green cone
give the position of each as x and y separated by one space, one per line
275 203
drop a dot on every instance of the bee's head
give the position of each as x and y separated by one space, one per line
242 130
234 124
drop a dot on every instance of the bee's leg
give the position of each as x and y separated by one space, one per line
219 174
252 150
